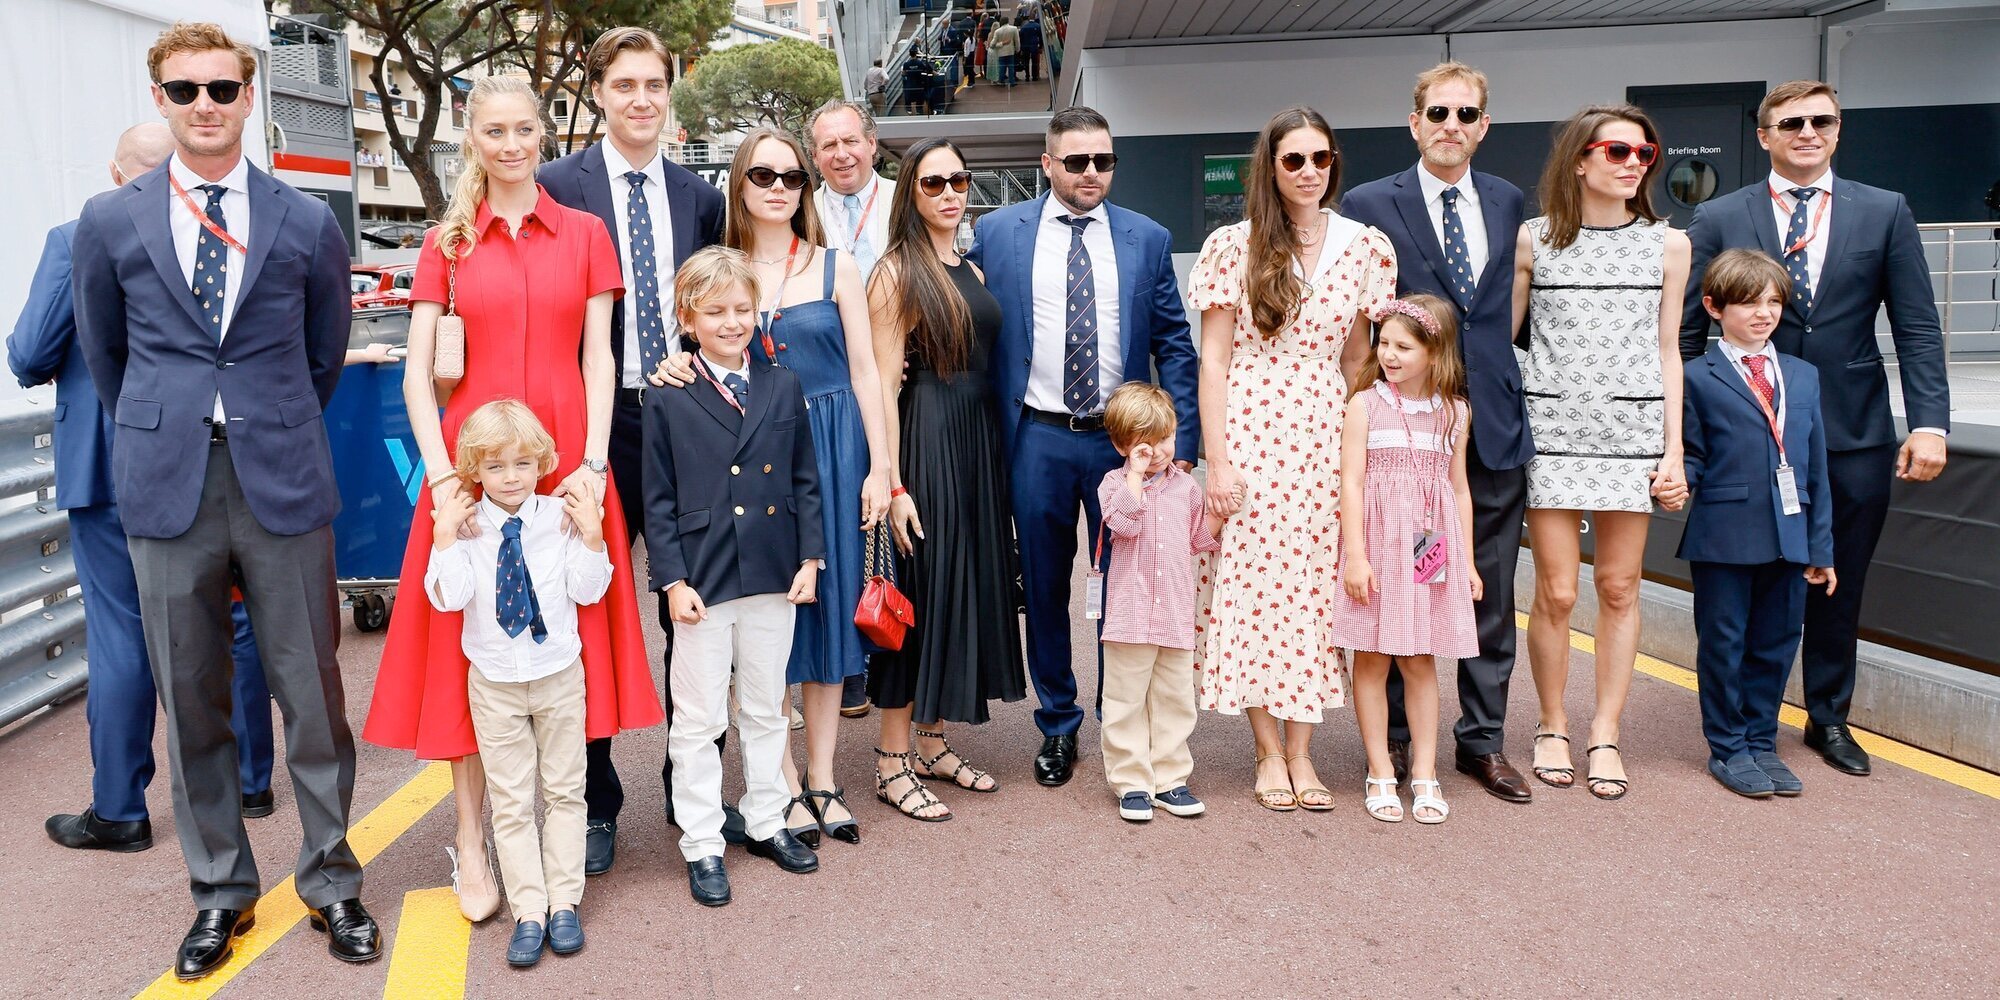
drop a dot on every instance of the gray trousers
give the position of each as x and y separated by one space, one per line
288 588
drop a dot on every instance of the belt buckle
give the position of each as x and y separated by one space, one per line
1073 418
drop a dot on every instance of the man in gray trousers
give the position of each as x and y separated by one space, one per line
212 306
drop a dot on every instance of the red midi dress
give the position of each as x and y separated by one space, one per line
523 302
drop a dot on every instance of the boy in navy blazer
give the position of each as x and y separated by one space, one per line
733 539
1761 523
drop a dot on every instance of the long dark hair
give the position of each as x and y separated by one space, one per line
942 331
1274 289
1561 191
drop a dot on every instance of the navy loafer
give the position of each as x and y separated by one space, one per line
565 932
1740 774
524 949
1783 781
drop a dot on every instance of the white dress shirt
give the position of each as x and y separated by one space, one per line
1050 281
616 167
840 227
564 572
1772 374
187 233
1470 217
1784 204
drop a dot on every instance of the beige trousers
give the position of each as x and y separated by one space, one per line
525 732
1148 717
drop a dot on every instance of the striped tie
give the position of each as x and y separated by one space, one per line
1081 365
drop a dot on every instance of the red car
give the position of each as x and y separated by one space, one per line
381 284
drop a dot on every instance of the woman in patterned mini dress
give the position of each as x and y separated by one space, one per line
1601 275
1283 297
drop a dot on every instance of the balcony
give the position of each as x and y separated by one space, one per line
307 59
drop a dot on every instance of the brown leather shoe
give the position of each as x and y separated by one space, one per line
1399 759
1497 776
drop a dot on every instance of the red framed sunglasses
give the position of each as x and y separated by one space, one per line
1616 151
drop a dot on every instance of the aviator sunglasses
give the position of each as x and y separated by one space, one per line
1619 152
1295 162
1077 163
764 177
219 91
1437 113
933 185
1820 123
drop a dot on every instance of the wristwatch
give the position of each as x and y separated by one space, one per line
596 465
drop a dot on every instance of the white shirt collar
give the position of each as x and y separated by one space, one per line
1433 186
1737 354
237 180
496 516
616 165
866 189
719 371
1824 182
1053 208
1409 405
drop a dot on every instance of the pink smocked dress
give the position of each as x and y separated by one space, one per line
1408 488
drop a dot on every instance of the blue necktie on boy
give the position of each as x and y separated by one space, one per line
515 604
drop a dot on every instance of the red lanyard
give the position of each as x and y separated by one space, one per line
701 366
764 330
202 217
866 211
1770 417
1818 217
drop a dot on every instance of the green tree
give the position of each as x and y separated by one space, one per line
773 83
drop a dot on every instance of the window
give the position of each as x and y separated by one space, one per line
559 109
403 279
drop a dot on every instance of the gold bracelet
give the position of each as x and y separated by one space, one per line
441 480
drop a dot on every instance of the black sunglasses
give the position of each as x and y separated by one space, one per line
1077 163
1437 113
1295 162
933 185
219 91
764 177
1820 123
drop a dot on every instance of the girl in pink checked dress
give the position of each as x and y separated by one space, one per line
1406 574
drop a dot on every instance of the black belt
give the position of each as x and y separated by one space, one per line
1085 423
218 431
631 397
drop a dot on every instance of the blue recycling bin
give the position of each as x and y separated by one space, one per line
379 469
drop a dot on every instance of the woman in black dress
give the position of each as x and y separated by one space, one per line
948 508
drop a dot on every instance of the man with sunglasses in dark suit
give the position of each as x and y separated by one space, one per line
1088 298
1851 250
1453 230
657 213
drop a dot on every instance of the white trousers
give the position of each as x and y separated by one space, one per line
754 635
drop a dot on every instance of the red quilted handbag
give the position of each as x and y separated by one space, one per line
883 614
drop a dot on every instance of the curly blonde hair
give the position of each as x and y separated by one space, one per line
498 426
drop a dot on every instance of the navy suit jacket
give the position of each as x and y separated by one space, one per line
1152 320
42 348
1736 515
732 499
158 367
1874 257
694 208
1395 205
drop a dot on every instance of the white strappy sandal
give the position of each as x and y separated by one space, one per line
1378 805
1419 801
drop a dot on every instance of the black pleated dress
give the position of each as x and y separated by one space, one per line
965 649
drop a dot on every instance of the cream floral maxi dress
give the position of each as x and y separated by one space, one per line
1264 612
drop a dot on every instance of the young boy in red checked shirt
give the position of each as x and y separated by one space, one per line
1154 515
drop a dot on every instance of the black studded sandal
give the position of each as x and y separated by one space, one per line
925 799
973 775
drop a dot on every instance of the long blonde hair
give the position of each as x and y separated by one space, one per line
456 235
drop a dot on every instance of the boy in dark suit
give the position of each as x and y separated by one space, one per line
1761 524
734 541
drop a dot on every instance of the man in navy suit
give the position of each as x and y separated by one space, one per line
212 305
1453 230
1088 301
657 213
1761 525
120 700
1850 250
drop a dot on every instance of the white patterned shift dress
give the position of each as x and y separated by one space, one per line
1596 403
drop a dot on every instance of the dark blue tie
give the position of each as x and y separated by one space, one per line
1080 333
738 385
1795 234
1457 260
211 262
516 605
645 275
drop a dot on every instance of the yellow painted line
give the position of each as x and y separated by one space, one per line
281 909
432 938
1920 761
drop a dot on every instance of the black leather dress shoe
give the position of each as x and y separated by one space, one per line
1057 761
708 881
600 846
85 832
351 933
210 941
1495 775
1399 759
1837 747
790 854
259 805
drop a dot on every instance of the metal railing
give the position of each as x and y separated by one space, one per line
308 58
42 655
1964 260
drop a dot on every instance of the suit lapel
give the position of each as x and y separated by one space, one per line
1026 231
148 206
1497 229
761 397
708 399
681 209
1843 222
1409 199
267 220
596 190
1764 223
1719 366
1125 246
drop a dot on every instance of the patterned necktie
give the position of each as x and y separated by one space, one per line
211 262
1080 335
864 249
1457 260
740 386
1755 362
1795 235
645 275
515 604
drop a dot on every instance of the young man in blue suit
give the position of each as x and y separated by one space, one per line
1453 230
1850 250
1089 301
120 702
212 304
1761 524
657 213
